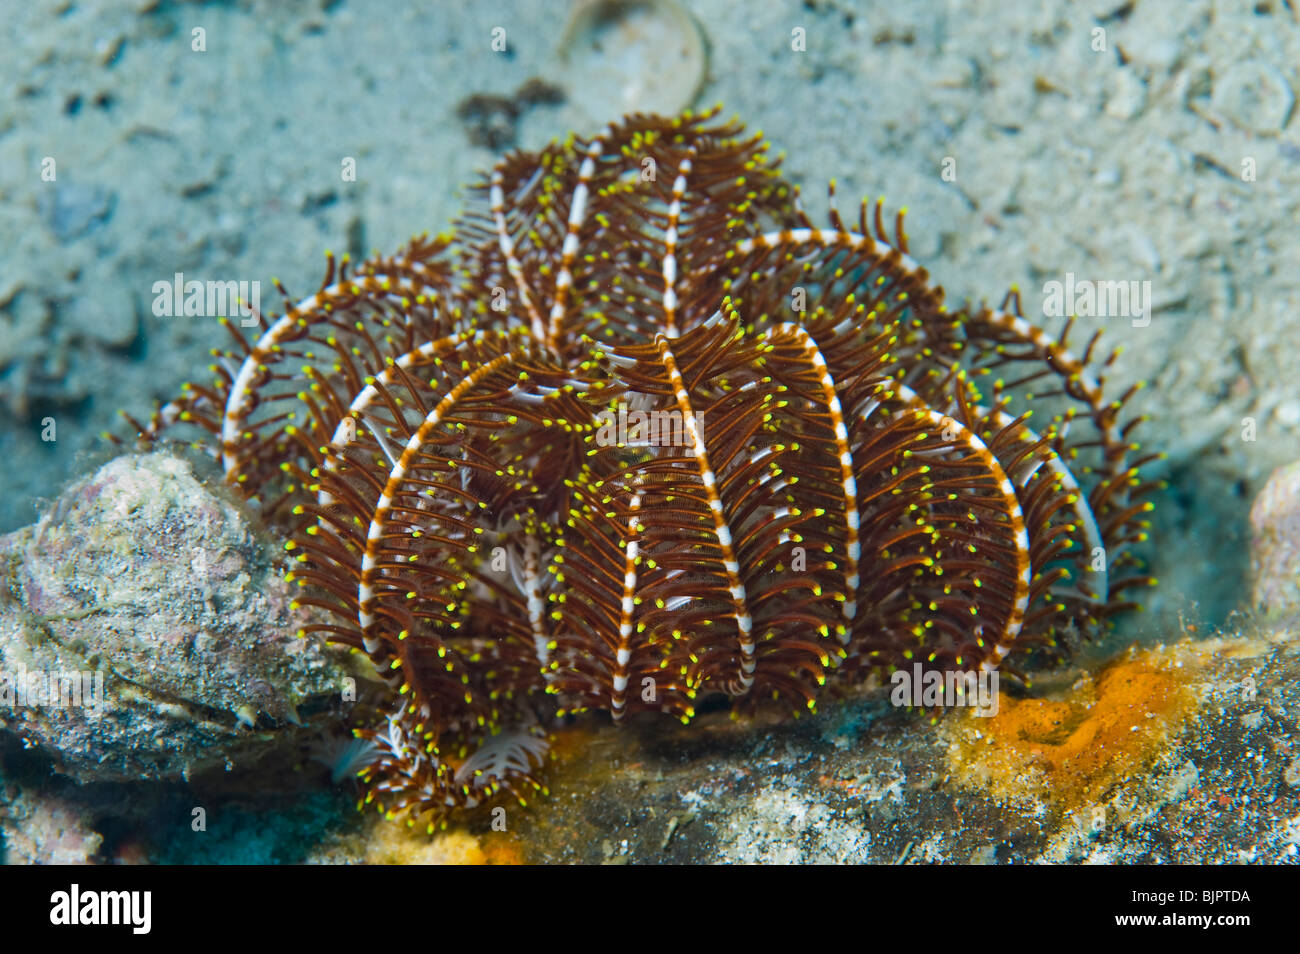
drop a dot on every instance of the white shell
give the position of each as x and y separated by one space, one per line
625 56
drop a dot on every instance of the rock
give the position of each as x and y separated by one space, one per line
45 829
146 630
1275 541
1154 756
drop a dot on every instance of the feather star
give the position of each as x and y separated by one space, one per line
640 433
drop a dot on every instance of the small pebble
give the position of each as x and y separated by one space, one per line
1128 95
